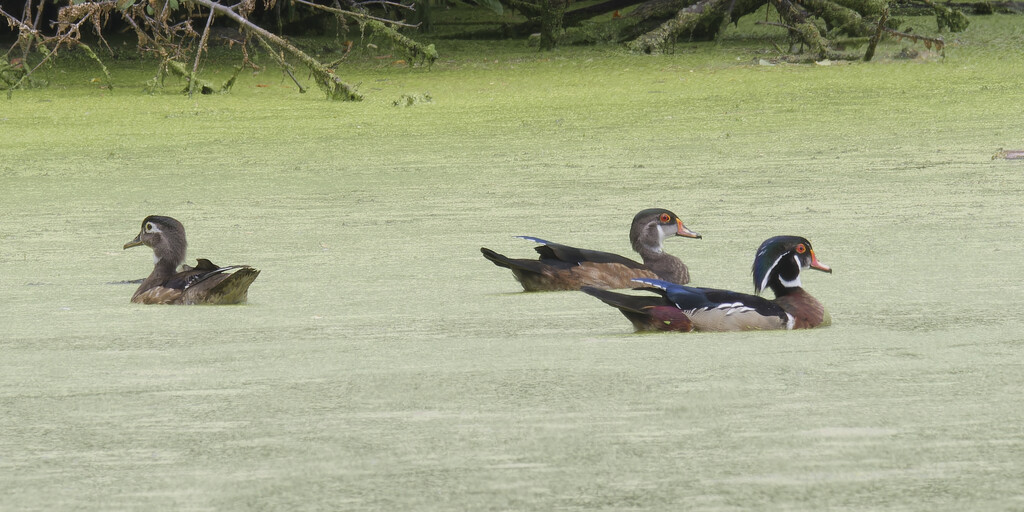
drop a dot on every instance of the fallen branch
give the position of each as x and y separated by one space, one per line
281 62
359 15
929 42
328 82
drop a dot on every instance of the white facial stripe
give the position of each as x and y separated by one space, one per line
660 230
667 230
152 228
764 282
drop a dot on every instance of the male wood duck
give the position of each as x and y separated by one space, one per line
205 283
561 267
777 265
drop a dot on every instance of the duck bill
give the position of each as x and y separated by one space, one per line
817 265
682 230
134 243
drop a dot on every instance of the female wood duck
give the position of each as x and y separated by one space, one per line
205 283
777 265
561 267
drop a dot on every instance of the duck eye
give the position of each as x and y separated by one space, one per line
800 249
665 218
149 227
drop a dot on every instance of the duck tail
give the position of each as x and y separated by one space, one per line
235 288
645 312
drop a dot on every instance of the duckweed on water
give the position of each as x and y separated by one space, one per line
383 364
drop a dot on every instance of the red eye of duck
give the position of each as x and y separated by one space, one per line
665 218
800 249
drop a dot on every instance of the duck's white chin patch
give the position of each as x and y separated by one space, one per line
795 283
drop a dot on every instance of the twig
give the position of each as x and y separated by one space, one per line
39 14
47 55
281 62
411 7
325 78
199 53
357 14
937 42
774 24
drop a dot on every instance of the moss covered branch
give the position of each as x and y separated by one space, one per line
414 50
838 17
425 53
328 82
704 17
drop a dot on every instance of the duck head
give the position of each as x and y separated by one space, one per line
779 260
165 236
652 226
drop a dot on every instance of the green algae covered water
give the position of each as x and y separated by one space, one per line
383 364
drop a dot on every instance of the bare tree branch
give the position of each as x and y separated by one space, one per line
199 53
357 15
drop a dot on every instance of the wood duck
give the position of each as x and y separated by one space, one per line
205 283
561 267
777 265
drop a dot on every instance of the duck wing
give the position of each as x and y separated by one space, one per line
565 255
208 283
712 309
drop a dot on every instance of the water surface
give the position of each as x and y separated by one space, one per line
383 364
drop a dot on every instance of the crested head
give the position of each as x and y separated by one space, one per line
652 226
779 260
166 236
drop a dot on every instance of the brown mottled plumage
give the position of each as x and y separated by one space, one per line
561 267
205 283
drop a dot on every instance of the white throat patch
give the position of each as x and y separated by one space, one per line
664 231
795 283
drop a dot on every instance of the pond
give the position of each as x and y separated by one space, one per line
382 363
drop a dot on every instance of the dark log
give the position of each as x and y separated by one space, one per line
576 16
551 22
876 37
